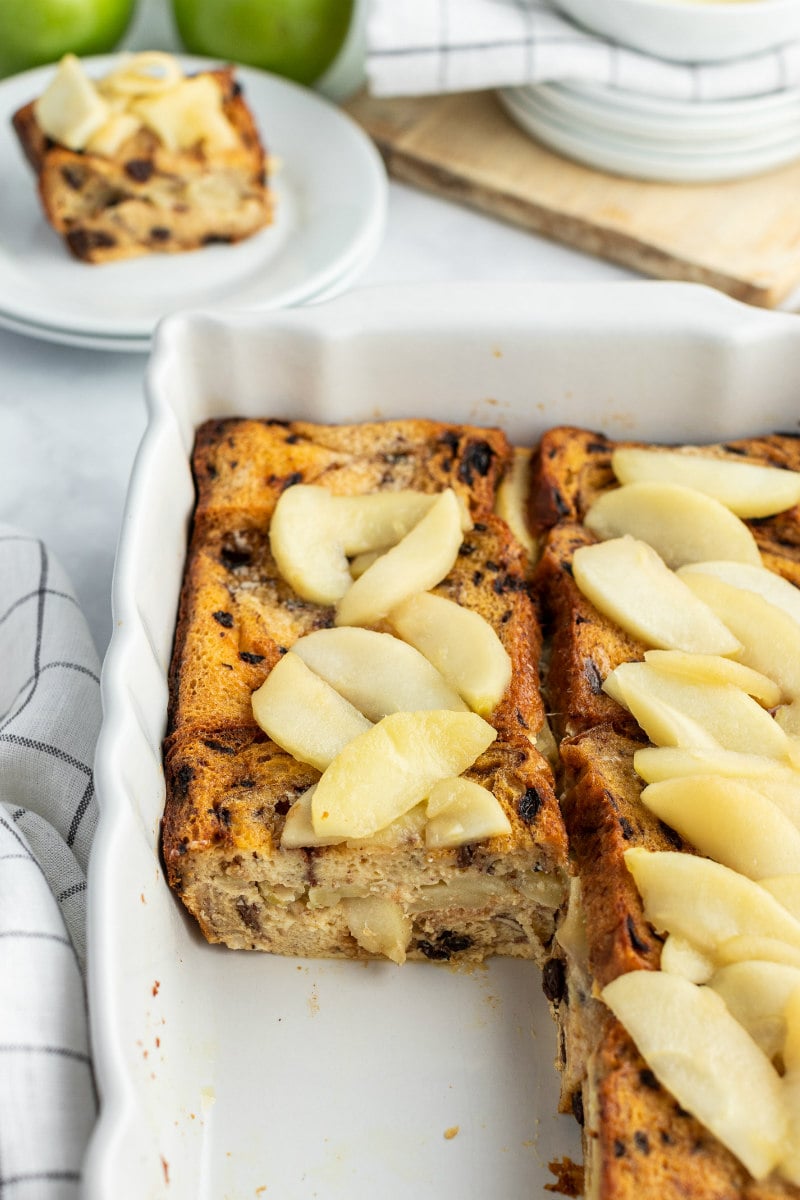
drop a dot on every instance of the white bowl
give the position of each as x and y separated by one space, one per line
240 1074
691 30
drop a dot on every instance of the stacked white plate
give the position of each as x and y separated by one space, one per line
330 189
650 138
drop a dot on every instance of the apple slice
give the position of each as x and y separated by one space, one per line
680 957
789 1166
417 563
108 139
188 115
304 715
756 994
788 717
627 581
460 643
770 639
747 489
749 947
680 524
70 109
359 564
786 890
676 712
713 668
729 821
386 771
782 790
701 1054
313 532
655 763
298 830
664 724
379 925
460 811
376 672
705 902
773 588
511 502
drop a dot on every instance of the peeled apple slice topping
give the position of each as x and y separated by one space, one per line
377 673
313 533
680 524
763 582
729 821
627 581
386 771
304 715
705 902
770 638
703 1056
747 489
417 563
461 644
678 712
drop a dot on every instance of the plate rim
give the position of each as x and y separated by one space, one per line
374 202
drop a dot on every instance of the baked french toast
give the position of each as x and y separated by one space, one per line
230 787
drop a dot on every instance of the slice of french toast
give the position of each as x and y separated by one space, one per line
230 787
146 197
638 1141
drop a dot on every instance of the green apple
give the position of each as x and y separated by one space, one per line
33 32
296 38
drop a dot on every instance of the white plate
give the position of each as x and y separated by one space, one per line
331 201
630 114
639 160
133 345
691 30
230 1073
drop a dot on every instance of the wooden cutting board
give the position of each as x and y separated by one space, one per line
741 237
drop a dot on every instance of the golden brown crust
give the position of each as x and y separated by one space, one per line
584 645
643 1144
148 199
604 818
246 464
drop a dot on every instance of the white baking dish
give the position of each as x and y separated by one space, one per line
236 1075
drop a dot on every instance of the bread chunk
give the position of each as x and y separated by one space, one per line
229 787
146 197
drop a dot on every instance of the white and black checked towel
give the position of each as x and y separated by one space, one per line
49 721
421 47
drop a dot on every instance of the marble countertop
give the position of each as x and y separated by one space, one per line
71 419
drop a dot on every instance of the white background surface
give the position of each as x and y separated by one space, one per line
70 420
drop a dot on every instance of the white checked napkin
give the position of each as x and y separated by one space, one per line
419 47
49 721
